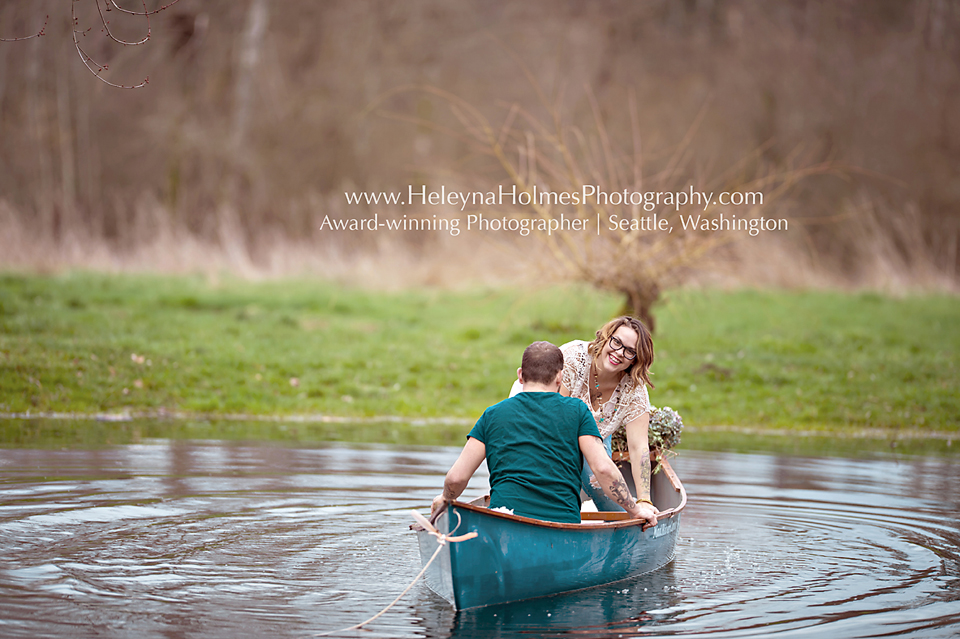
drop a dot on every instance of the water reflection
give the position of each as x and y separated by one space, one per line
185 539
621 609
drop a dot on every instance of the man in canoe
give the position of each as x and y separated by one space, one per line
535 443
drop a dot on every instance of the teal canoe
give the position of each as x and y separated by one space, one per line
515 558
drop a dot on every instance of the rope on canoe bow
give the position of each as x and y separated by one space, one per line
442 539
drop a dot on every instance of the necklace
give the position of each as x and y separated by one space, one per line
596 385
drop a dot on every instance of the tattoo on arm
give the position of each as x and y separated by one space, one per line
620 493
643 489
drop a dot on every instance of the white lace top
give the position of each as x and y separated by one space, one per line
627 403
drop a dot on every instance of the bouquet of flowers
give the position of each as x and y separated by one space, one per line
663 432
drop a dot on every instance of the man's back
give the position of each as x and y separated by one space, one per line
533 454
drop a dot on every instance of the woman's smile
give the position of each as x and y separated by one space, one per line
615 360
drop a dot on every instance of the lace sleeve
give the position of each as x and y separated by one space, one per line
575 364
635 403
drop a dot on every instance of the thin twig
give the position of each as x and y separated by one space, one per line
97 68
106 24
38 34
145 12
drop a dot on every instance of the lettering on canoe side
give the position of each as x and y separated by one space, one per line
664 528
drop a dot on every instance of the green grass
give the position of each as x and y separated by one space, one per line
795 360
811 359
67 344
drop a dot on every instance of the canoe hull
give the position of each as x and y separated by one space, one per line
515 558
511 560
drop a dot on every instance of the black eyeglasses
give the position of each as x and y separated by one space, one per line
616 345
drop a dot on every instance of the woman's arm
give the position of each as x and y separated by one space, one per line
639 448
573 362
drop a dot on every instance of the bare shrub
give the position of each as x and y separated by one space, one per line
640 247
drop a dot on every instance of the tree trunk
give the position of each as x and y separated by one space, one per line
65 136
248 57
639 303
37 121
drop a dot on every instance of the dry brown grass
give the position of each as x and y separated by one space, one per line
151 244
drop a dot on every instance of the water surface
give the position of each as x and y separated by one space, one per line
215 539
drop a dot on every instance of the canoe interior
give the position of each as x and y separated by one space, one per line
666 493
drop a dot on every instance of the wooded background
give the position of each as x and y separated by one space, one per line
258 115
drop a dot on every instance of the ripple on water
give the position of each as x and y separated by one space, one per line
229 540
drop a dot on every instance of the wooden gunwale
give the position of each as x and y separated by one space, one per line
606 520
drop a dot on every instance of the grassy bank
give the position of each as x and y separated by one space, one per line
74 434
813 360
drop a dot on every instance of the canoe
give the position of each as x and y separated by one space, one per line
515 558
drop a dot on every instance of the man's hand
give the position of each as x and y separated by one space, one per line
472 455
648 512
644 511
437 503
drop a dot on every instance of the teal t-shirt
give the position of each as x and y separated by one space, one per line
533 454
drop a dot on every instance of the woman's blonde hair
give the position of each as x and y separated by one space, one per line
640 368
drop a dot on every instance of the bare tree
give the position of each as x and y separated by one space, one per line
103 7
635 247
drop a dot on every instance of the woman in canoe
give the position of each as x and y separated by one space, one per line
611 375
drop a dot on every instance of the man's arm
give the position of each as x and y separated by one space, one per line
610 479
472 455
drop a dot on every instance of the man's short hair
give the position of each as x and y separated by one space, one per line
541 363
